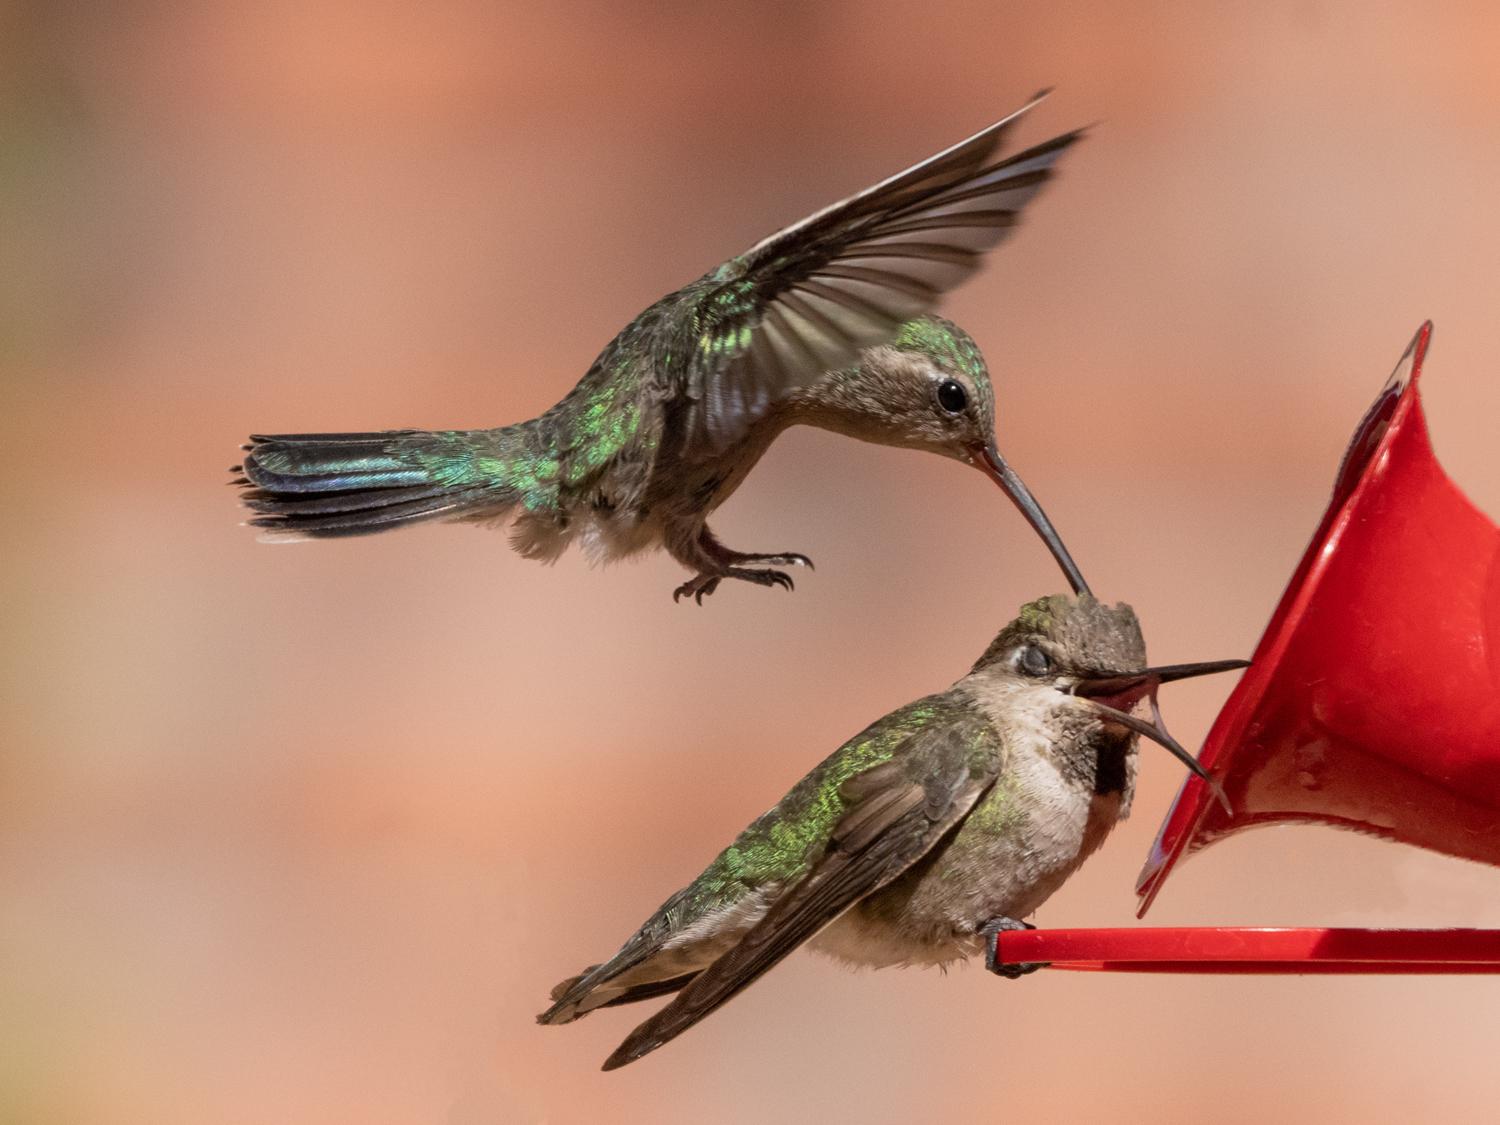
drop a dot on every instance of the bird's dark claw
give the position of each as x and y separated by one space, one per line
701 585
762 577
698 587
990 931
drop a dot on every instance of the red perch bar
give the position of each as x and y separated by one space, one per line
1245 949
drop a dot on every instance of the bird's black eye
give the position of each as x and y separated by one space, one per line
1035 662
952 397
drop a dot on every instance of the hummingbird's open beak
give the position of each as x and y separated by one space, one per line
1124 690
1126 682
988 458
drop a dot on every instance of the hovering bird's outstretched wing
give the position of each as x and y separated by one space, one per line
807 299
894 813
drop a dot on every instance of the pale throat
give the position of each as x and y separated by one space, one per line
1039 720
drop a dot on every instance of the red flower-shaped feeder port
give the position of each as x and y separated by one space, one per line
1372 702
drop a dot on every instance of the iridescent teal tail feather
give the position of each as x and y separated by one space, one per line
319 486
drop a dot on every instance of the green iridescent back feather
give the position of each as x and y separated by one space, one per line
597 447
781 846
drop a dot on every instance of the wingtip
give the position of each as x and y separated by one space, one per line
629 1051
556 1015
1015 115
1072 136
617 1060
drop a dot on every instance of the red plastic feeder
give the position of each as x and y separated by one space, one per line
1373 703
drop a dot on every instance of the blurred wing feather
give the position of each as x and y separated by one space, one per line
810 298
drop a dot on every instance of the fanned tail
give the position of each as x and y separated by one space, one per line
320 486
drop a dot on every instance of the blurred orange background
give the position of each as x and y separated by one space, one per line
305 834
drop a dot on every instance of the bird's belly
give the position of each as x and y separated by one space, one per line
876 943
608 536
1016 848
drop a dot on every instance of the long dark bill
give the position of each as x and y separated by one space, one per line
1146 682
1161 674
995 466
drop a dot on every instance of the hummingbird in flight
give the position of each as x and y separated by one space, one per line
825 323
923 836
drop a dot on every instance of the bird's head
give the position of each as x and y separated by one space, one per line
929 389
1080 654
926 389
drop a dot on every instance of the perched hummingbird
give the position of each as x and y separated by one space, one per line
821 324
920 838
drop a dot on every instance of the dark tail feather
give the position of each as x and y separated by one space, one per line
566 1007
649 991
321 486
